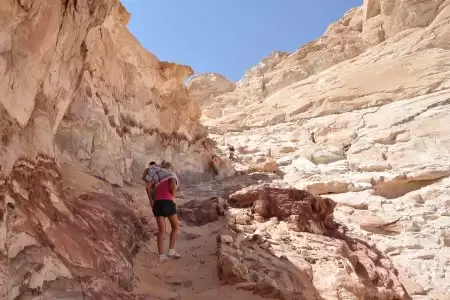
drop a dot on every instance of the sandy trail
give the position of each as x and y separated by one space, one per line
194 276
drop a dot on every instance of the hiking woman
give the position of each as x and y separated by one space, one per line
161 186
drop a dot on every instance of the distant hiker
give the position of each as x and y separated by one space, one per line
231 149
161 185
313 136
214 164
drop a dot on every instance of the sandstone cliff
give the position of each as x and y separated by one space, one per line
77 85
362 114
367 50
206 86
83 109
58 242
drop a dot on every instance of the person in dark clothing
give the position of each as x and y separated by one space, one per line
214 164
231 149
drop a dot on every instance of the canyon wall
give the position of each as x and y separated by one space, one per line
77 85
83 109
360 114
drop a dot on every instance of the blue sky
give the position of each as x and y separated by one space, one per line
229 36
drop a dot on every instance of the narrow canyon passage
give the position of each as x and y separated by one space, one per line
195 275
337 187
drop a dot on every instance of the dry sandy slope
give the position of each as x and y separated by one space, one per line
194 276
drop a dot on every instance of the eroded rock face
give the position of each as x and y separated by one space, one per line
198 213
348 126
316 260
76 84
336 67
55 244
204 87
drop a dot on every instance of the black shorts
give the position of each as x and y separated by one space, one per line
164 208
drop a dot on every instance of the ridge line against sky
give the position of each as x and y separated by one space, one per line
229 37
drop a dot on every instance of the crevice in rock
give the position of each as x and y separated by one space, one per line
364 116
411 118
26 6
9 127
398 188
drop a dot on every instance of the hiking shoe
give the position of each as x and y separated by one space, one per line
163 258
173 254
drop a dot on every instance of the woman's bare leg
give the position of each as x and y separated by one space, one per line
175 225
161 232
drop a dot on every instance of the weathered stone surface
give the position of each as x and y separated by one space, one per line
204 87
268 166
320 262
76 84
198 213
60 244
312 214
360 114
362 133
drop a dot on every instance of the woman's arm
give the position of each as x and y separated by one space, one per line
148 189
144 175
172 186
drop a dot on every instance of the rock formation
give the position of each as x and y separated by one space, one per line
289 247
337 66
201 212
360 114
204 87
79 94
57 244
77 85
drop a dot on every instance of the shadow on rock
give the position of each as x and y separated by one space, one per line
58 245
290 248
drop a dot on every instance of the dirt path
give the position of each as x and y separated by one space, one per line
194 276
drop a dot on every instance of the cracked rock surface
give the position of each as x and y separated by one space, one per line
360 115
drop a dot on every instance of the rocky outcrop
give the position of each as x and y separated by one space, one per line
364 39
198 213
314 260
306 212
77 85
204 87
78 92
357 115
55 244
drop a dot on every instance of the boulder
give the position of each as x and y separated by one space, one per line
201 212
268 166
315 260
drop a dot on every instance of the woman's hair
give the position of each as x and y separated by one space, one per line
166 165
